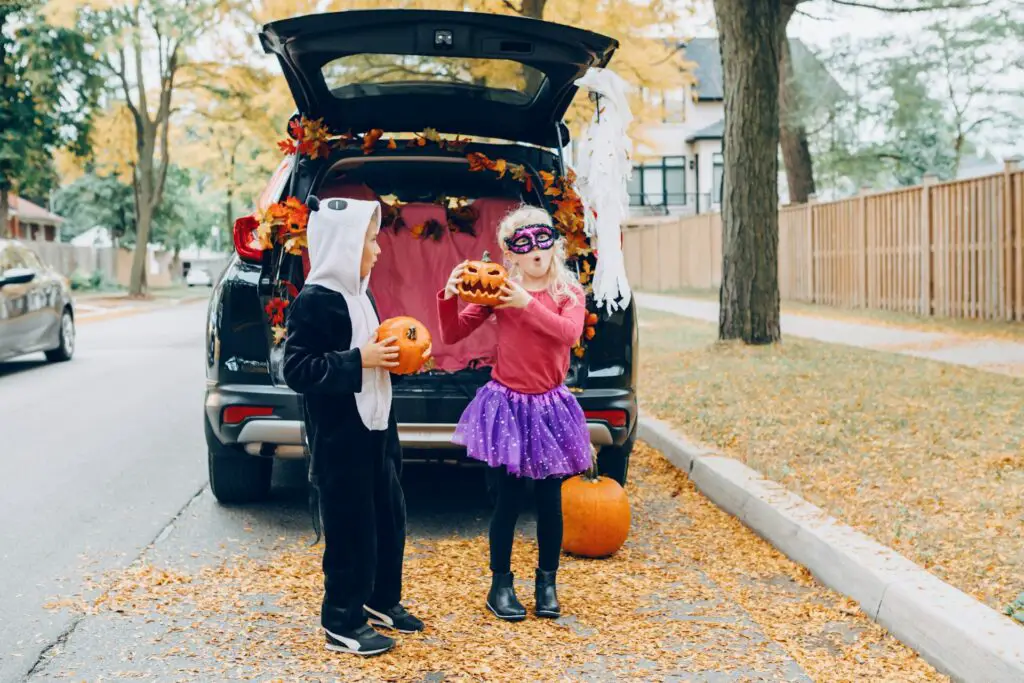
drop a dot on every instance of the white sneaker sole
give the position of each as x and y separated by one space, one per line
362 653
375 618
373 621
341 644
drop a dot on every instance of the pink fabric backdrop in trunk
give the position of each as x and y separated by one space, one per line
410 271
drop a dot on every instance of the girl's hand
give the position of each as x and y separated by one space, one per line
514 296
452 288
382 354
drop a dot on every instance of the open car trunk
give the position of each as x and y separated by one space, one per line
465 73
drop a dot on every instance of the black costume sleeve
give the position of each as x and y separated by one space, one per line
312 363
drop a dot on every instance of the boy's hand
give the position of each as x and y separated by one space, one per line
452 288
382 354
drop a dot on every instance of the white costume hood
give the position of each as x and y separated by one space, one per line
335 233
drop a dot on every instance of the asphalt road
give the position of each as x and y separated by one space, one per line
99 455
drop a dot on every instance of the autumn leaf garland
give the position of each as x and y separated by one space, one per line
312 138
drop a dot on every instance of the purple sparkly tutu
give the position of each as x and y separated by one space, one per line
531 435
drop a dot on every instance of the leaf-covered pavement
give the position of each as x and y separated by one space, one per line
925 457
234 594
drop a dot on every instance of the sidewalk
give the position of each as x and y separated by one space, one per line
999 356
93 307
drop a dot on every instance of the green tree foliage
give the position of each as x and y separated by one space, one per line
49 84
184 218
918 105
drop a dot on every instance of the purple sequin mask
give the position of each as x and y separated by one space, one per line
530 237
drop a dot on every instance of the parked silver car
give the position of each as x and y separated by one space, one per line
36 311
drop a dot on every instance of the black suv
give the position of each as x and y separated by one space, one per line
405 72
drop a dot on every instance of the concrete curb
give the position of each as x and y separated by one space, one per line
958 635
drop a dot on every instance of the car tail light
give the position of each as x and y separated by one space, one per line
616 418
235 414
246 244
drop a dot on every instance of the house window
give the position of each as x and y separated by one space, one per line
673 108
659 183
718 178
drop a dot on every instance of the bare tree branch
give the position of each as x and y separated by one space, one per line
121 72
927 7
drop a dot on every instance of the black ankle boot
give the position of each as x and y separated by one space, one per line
502 599
547 597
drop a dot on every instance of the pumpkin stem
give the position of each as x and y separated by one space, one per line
487 257
410 334
591 474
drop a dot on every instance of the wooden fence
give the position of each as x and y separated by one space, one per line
950 249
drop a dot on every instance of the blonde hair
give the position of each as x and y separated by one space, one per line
562 282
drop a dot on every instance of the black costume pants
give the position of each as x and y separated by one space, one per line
509 492
363 512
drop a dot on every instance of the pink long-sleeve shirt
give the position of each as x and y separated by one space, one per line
533 342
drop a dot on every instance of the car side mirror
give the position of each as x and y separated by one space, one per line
17 276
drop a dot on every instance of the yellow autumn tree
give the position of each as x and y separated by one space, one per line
647 56
144 47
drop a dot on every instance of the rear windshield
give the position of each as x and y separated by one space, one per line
510 81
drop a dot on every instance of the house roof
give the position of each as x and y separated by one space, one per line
28 212
713 132
705 52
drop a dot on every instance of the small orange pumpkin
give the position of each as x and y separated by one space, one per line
595 514
413 343
482 281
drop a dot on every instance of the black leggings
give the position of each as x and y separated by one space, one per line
509 490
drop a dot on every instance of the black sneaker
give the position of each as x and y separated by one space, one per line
396 619
363 641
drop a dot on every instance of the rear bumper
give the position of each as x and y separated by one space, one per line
280 434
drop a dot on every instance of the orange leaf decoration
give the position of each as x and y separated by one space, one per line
275 310
589 333
479 162
392 144
458 144
576 244
550 188
500 166
591 318
280 333
519 173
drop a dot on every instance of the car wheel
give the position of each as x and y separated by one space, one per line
66 345
613 461
235 476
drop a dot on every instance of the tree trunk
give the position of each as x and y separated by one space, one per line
145 206
5 212
534 9
749 296
796 152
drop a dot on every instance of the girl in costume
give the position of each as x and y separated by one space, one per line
524 423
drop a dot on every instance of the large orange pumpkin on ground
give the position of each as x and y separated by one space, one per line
413 343
481 282
595 514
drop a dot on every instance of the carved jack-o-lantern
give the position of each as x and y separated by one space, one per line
482 281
